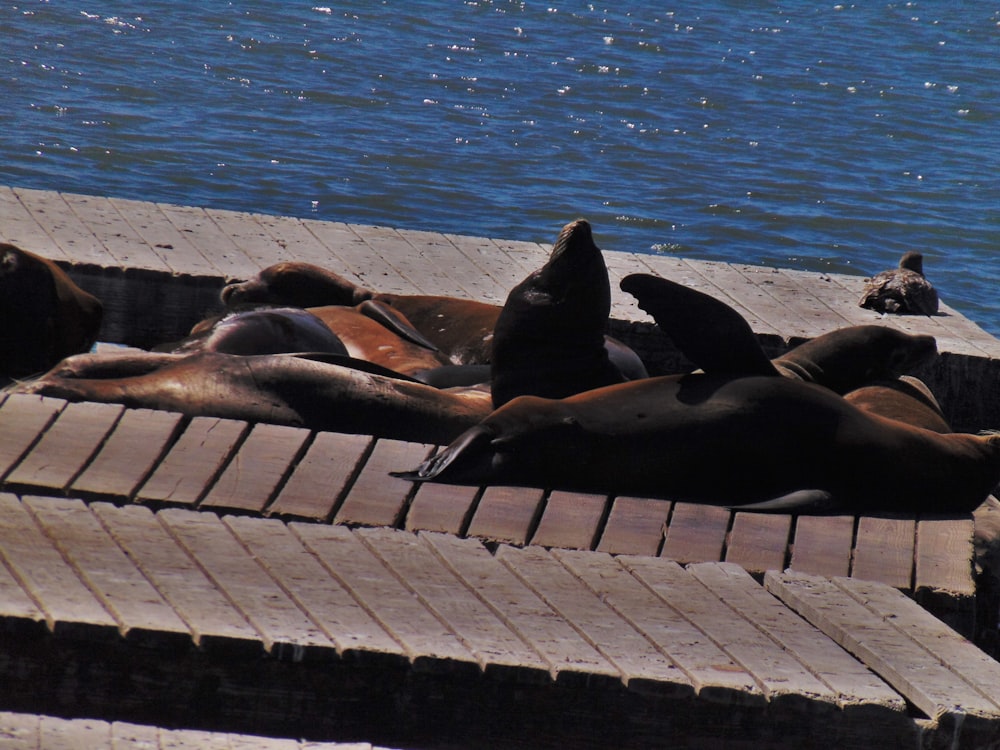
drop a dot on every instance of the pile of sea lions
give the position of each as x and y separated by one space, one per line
535 393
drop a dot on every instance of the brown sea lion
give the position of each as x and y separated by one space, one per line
549 338
903 290
314 391
906 399
719 340
45 315
773 443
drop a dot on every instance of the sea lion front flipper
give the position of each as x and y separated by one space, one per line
811 502
395 321
707 331
469 457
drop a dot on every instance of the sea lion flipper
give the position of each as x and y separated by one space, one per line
395 321
708 331
463 458
813 502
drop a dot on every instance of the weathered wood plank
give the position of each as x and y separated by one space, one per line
214 622
822 545
570 657
571 520
72 734
255 473
129 250
961 711
62 225
944 556
759 541
442 507
496 648
297 240
883 550
315 589
637 659
484 254
507 514
23 418
636 526
66 446
143 615
319 480
852 683
468 277
253 240
782 680
429 644
19 612
375 498
420 274
287 631
69 606
150 223
368 268
697 533
19 227
713 675
129 454
19 731
188 469
197 227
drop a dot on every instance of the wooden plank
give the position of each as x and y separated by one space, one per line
125 736
23 419
884 550
69 606
429 645
571 520
944 556
143 615
19 227
187 471
255 473
64 227
638 660
495 647
468 277
822 545
214 622
313 588
288 632
356 258
442 507
783 680
100 216
296 239
375 498
636 526
18 612
759 541
379 255
254 240
851 682
19 731
320 479
958 709
713 675
67 446
507 514
570 657
226 257
500 275
72 734
129 454
150 223
697 533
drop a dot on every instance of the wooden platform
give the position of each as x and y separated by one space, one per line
430 640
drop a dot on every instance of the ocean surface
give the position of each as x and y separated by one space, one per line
820 136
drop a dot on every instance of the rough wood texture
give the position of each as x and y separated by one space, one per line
377 499
572 520
884 550
822 545
635 526
507 514
442 507
758 541
697 533
23 420
319 481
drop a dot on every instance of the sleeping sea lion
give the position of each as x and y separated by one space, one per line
45 315
774 443
903 290
906 399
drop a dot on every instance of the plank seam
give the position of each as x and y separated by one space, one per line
470 512
85 464
245 431
602 522
37 439
399 521
341 498
286 475
664 527
536 518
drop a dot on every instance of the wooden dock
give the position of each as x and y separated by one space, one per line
209 574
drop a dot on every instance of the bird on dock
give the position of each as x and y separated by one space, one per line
903 290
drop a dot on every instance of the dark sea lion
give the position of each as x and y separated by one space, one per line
549 338
905 399
727 440
313 391
720 341
903 290
45 315
272 330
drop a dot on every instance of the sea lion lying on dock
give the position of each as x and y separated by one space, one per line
45 315
317 391
755 442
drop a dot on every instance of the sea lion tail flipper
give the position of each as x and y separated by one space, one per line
396 322
707 331
812 502
466 461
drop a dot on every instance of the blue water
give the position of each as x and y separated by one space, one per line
804 135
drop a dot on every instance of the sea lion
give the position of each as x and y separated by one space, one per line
45 315
755 440
903 290
549 338
720 341
272 330
321 392
906 399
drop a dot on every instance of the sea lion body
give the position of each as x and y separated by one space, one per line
724 440
905 399
46 316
